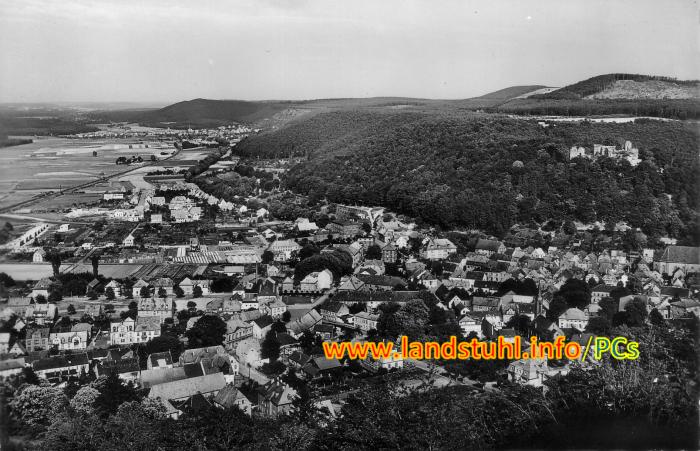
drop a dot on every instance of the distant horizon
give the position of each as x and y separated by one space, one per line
164 51
163 103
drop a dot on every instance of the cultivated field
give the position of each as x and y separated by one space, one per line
50 164
28 271
113 271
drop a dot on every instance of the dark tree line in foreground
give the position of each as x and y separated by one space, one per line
647 403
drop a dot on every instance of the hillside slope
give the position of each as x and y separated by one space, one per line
457 170
628 86
650 89
613 94
511 92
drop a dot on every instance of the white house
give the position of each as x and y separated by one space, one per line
128 241
573 317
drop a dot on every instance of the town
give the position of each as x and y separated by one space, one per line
194 299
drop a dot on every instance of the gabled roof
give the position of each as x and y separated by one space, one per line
333 307
351 283
121 366
488 245
198 354
278 393
682 254
229 396
299 357
307 321
185 388
43 284
60 361
285 339
264 321
574 314
160 359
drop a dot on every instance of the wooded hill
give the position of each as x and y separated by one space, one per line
489 172
629 94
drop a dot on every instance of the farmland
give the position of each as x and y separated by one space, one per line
28 271
58 163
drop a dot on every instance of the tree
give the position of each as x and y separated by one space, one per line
270 347
84 400
608 307
521 323
267 257
91 294
374 252
162 293
95 260
273 368
37 406
286 316
307 251
178 291
410 319
437 315
599 325
112 393
278 326
556 308
71 309
197 291
208 331
164 343
145 292
53 256
40 299
55 297
357 308
637 311
656 318
576 293
6 280
191 306
109 294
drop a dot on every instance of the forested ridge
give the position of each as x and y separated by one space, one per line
489 172
573 100
594 85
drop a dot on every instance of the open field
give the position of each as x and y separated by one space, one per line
114 271
66 201
28 271
50 164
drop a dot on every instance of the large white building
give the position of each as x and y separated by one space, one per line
128 331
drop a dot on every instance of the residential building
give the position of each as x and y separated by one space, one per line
438 249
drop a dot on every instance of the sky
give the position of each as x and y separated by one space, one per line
173 50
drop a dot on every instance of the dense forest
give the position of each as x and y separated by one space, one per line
489 172
667 108
44 123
